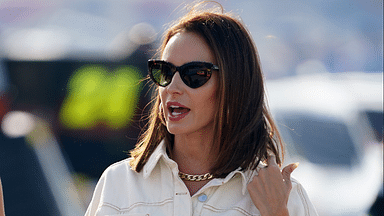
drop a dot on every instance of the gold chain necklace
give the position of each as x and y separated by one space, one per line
202 177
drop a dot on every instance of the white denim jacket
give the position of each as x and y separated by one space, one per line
158 190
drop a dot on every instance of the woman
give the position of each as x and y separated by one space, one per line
211 147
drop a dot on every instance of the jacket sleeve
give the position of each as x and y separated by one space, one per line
298 202
96 198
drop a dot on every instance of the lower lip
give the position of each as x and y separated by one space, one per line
178 117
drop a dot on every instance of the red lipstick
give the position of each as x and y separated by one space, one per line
177 111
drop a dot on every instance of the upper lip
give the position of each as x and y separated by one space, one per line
175 105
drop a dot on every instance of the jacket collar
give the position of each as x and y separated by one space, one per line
246 177
160 153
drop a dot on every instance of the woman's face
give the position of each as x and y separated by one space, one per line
198 105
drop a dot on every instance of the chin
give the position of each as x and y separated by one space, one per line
177 129
172 129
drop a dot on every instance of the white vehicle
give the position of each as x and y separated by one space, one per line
326 122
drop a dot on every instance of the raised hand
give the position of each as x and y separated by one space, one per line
269 190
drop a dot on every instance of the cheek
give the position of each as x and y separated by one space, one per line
214 92
206 97
212 100
161 93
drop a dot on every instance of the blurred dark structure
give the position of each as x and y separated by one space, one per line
309 135
376 120
39 87
26 191
378 207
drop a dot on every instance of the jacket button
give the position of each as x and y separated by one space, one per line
202 198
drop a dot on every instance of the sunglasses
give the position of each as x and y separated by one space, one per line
194 74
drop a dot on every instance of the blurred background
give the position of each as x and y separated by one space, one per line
72 101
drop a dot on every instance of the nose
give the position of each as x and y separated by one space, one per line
176 85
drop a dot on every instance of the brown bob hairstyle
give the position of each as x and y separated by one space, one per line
244 132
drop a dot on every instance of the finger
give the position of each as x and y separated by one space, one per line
287 171
271 160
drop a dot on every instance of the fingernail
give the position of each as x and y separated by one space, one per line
295 165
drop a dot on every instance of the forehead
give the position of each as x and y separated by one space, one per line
185 47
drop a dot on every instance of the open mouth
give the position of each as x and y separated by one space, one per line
176 110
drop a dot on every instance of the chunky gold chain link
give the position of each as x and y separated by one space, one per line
188 177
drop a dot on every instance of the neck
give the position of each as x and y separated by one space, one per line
194 153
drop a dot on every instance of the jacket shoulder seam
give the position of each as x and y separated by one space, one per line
135 204
233 208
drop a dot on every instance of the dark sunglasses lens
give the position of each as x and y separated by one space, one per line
196 76
161 74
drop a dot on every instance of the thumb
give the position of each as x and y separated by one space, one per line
286 172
